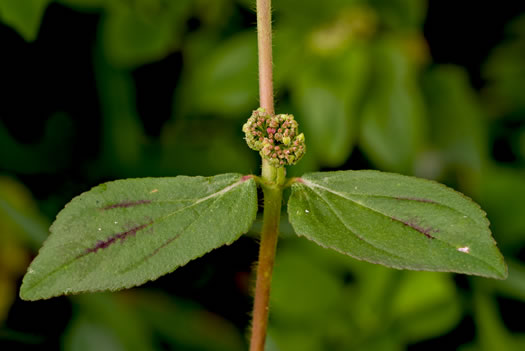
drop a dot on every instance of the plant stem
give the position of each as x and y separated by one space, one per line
264 44
270 232
272 186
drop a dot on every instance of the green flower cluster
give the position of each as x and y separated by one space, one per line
275 137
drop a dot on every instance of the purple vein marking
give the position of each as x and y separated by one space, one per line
412 224
126 204
418 199
156 251
102 244
164 245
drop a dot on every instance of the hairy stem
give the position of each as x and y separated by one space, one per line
264 43
273 179
270 232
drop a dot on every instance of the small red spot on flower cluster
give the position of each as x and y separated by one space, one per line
276 137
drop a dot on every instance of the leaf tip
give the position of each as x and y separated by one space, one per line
499 271
26 294
502 274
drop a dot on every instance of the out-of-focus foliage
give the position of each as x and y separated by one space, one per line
459 140
49 155
24 16
324 301
21 227
505 71
144 321
358 76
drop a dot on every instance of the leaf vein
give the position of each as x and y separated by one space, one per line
314 185
400 198
353 231
198 201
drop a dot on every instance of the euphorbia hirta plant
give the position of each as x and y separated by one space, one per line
126 232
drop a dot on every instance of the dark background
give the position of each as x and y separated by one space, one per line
56 142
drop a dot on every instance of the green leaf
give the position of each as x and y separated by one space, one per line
84 335
393 125
501 191
425 305
327 95
23 15
184 325
49 155
492 333
402 14
124 139
219 81
504 72
123 233
144 32
85 5
20 218
107 321
394 220
297 281
514 286
452 101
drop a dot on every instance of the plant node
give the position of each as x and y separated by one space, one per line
276 137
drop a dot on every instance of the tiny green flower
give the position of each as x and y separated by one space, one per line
276 137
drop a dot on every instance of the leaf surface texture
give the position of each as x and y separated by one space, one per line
123 233
395 220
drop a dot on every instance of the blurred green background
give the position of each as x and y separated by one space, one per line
95 90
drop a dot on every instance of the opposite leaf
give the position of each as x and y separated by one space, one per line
394 220
124 233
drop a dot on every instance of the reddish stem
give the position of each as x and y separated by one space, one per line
272 190
264 42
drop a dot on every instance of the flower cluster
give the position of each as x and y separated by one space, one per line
275 137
